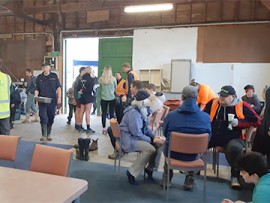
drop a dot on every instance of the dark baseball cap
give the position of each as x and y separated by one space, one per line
226 91
248 87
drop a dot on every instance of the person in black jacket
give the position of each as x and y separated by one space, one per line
15 101
85 88
262 138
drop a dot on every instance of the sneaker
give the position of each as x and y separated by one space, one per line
90 131
189 182
104 132
43 139
81 129
131 178
235 183
93 113
94 145
68 122
115 155
26 121
49 138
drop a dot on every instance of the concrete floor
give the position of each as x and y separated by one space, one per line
66 134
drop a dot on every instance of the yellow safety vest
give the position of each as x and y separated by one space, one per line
5 83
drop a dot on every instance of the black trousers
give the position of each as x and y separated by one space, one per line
104 106
72 108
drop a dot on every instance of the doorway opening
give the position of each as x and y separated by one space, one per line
78 52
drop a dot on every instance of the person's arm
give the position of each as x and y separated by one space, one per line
135 127
257 104
251 117
58 94
208 106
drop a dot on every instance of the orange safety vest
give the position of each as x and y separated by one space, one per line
120 90
238 109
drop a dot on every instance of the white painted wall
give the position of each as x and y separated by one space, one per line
155 48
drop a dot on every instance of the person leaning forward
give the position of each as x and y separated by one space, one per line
227 134
47 85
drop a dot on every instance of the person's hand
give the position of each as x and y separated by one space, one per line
227 201
159 140
12 105
124 98
268 133
235 122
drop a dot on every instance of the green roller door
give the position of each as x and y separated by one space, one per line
114 52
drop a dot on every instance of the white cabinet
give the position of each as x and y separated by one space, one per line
151 76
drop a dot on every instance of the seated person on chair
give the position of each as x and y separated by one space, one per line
253 169
155 102
134 88
188 118
137 137
228 134
251 98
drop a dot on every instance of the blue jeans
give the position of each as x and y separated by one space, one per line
30 104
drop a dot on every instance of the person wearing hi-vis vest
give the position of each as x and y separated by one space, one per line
120 92
5 85
228 116
47 85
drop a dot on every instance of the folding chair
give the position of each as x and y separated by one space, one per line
187 144
116 133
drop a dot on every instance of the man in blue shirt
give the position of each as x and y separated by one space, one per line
188 118
47 85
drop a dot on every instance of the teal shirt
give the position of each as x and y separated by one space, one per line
108 91
261 192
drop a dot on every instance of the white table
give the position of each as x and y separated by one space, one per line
20 186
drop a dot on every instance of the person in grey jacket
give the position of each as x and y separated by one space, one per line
137 137
252 98
30 102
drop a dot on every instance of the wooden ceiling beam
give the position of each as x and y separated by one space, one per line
97 5
15 8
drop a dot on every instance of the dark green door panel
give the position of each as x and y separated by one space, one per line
114 52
